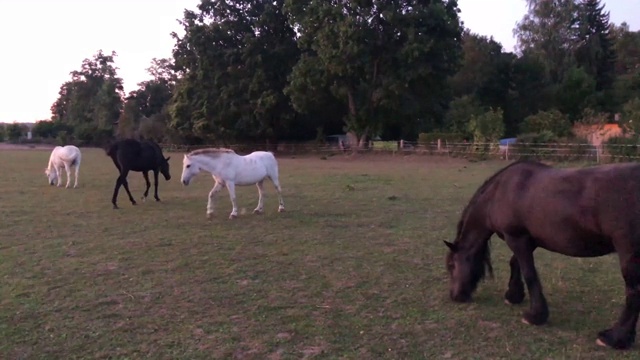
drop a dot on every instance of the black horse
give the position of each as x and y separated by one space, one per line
585 212
141 156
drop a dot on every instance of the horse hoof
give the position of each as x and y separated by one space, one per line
144 199
508 302
525 321
280 209
233 216
115 207
257 212
158 199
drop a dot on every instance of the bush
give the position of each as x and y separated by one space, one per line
623 148
552 121
428 138
546 145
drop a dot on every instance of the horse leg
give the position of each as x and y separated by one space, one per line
523 247
68 170
114 198
217 187
515 292
155 184
58 172
77 170
145 174
276 184
125 183
231 187
259 209
623 333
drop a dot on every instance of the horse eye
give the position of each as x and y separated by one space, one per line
188 166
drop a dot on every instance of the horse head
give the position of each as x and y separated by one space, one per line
164 168
189 169
52 176
467 265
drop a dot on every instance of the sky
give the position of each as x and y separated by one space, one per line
42 41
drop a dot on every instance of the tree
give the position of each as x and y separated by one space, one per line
378 58
15 131
596 52
549 30
234 60
92 100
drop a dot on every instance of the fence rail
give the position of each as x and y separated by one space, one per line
541 151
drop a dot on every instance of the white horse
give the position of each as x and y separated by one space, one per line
68 157
230 169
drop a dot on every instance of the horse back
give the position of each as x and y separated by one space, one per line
572 211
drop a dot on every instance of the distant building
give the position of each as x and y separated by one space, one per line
597 134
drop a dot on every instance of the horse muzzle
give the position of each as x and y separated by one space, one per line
185 182
460 297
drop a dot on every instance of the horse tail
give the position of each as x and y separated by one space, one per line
77 159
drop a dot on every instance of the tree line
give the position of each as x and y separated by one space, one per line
298 70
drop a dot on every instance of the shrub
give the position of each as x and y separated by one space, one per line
552 121
623 148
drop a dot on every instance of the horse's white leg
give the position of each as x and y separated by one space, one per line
75 185
217 187
231 187
276 184
58 172
259 209
67 168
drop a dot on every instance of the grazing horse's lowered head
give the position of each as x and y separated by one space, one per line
67 157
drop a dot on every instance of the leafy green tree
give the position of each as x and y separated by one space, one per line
552 121
576 92
549 30
92 99
15 131
49 129
461 111
378 58
487 127
233 63
3 132
630 119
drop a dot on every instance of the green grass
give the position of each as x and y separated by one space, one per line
353 269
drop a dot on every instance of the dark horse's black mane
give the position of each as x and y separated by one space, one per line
484 255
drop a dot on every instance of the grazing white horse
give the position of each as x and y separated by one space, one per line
230 169
63 156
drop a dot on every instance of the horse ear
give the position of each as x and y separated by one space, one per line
167 159
451 246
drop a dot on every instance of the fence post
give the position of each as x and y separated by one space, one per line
439 144
401 144
506 152
598 153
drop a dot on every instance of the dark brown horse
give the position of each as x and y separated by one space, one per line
141 156
586 212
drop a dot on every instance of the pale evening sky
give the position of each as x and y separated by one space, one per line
42 41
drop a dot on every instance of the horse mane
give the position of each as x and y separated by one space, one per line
211 151
484 254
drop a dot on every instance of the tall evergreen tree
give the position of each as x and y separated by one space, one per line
596 45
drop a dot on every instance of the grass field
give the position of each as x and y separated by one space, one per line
353 269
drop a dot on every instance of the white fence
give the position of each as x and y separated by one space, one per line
540 151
